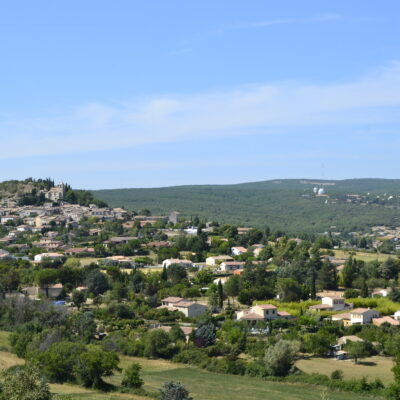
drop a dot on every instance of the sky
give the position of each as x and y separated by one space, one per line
129 93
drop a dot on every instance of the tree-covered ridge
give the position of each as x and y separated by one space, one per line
280 204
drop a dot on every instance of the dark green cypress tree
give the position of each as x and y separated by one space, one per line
364 289
220 295
313 290
164 274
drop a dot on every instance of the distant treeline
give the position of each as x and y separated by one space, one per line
284 204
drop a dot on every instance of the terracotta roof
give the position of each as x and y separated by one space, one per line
187 330
351 338
389 320
238 271
157 244
221 257
56 286
284 314
240 248
169 308
338 317
266 306
184 303
320 307
360 310
172 299
252 316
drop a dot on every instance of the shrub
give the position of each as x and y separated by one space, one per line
174 391
280 357
194 356
157 343
95 363
132 377
337 374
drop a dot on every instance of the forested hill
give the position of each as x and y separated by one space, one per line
289 205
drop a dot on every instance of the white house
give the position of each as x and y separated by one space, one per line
336 302
229 266
363 316
381 292
187 330
192 230
50 291
215 260
4 253
189 308
342 341
237 251
24 228
42 256
332 303
169 261
260 312
8 218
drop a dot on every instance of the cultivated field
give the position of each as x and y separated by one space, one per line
371 367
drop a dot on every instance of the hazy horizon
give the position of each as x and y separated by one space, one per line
240 183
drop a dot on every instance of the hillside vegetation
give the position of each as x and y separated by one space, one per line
288 205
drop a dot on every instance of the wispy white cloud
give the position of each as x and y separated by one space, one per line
262 108
281 21
186 45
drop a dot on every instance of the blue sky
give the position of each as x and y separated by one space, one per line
106 94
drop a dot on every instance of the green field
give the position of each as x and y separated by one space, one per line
212 386
205 385
363 255
202 385
371 367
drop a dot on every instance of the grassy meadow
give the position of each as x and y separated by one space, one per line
203 385
370 367
363 255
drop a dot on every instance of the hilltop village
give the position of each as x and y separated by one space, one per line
230 299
